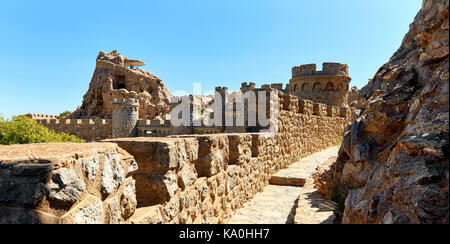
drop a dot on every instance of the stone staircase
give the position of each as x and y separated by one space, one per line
291 197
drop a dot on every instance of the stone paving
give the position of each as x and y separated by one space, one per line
291 196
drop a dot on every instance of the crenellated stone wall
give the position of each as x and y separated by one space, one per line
205 178
393 165
41 116
177 179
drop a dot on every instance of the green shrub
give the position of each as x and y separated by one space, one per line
23 130
64 114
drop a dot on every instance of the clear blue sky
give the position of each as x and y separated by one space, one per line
48 48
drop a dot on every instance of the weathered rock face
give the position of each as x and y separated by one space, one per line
112 79
395 157
66 183
204 178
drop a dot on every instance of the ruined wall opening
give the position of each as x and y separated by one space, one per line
329 87
305 87
119 82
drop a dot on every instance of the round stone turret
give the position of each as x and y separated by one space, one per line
329 86
125 114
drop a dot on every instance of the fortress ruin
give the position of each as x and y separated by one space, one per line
391 166
329 86
123 101
150 171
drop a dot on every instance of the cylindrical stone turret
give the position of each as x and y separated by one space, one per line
125 114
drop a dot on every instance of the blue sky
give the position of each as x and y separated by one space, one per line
48 48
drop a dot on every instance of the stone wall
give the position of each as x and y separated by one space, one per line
66 183
126 118
252 86
177 179
204 178
88 129
125 115
41 116
329 86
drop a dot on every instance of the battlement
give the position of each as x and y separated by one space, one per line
320 109
328 69
252 86
73 121
221 89
248 86
129 101
118 59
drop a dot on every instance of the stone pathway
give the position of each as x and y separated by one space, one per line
291 196
272 206
297 173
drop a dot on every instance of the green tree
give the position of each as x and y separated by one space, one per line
64 114
23 130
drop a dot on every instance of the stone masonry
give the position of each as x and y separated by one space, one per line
162 173
116 76
329 86
126 123
79 183
205 178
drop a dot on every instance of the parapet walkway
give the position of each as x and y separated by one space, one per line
291 196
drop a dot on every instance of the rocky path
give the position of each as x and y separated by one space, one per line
291 196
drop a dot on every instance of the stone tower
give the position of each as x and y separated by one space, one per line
329 86
125 114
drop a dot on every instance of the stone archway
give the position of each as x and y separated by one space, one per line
317 87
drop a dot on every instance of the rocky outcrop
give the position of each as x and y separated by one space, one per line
394 158
113 78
